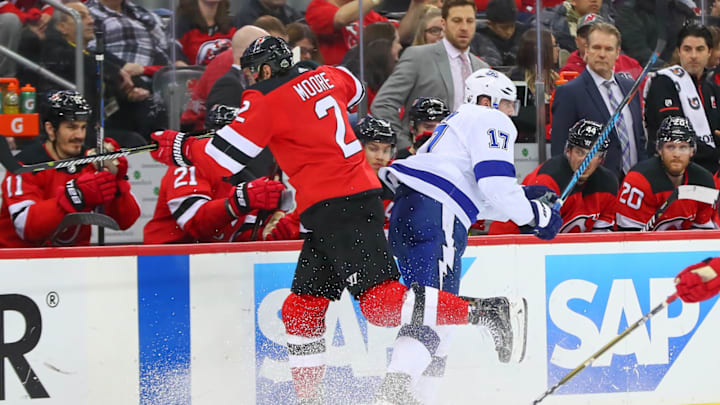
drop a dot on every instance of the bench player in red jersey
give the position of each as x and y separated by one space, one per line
649 184
34 204
301 113
195 204
592 205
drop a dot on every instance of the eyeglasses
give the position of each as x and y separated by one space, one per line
434 30
307 50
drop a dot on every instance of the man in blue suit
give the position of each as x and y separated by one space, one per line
595 95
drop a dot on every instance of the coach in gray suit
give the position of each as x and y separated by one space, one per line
433 70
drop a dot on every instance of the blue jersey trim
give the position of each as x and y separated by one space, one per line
443 184
494 168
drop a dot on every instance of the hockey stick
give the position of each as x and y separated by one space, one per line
84 218
660 12
100 131
607 346
14 167
702 194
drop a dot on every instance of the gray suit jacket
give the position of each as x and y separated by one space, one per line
422 71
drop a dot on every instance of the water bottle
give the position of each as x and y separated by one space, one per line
27 99
11 100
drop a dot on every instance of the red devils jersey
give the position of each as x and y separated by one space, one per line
590 207
191 208
30 212
302 117
201 46
646 187
334 43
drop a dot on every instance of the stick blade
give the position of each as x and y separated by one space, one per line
84 218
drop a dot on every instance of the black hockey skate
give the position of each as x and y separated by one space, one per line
505 321
395 390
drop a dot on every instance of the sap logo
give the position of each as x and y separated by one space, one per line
588 305
621 307
15 351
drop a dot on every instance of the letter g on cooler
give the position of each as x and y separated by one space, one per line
16 125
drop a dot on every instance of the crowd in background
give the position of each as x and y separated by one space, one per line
407 46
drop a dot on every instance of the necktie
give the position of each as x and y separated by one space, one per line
620 129
464 67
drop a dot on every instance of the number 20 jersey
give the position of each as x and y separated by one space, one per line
302 116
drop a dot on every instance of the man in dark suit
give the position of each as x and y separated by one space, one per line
595 95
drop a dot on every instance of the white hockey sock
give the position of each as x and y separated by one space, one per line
410 357
428 384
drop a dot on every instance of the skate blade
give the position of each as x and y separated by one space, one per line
518 321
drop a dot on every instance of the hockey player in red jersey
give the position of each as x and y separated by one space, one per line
425 114
34 204
649 184
195 204
592 205
338 198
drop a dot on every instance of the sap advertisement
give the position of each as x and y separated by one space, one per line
199 325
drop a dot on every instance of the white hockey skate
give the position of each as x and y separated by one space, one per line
506 322
395 390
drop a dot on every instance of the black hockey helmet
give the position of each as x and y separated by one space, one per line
427 109
370 129
676 129
267 50
220 115
584 133
64 105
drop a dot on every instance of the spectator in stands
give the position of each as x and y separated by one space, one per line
497 40
592 207
594 95
301 36
430 27
273 26
651 182
526 71
134 34
10 27
22 27
58 56
425 114
335 23
562 20
673 91
253 9
576 60
194 115
39 201
639 26
382 50
418 71
202 25
714 60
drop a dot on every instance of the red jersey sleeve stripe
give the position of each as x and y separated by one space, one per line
231 150
184 209
19 213
359 89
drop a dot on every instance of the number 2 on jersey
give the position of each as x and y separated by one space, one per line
321 110
631 196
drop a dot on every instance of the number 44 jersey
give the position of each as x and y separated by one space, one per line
302 116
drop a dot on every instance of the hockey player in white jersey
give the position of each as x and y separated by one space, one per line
463 173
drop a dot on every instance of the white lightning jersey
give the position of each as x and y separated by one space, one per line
467 165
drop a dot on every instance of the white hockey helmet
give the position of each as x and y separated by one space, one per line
490 83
